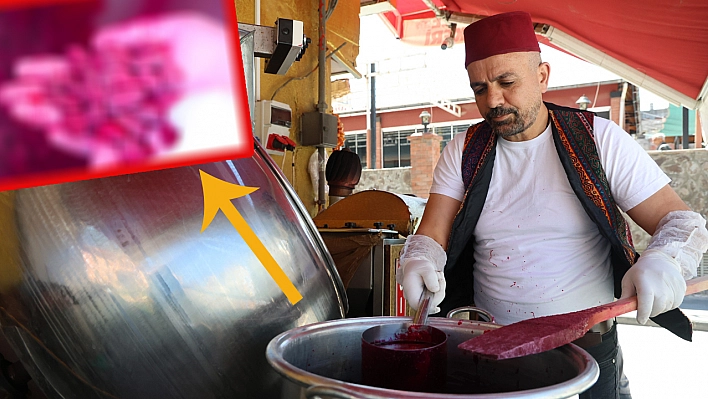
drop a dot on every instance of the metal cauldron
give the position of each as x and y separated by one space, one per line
324 360
109 290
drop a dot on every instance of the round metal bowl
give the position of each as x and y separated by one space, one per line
324 360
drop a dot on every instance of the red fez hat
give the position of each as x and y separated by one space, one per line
510 32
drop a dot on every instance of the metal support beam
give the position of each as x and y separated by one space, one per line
372 118
684 139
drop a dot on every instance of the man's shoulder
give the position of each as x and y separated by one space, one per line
601 123
472 132
476 126
573 115
561 109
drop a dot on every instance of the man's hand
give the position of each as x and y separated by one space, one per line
413 274
657 281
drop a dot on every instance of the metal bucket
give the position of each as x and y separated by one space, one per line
324 360
404 356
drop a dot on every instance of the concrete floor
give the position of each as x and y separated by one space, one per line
661 365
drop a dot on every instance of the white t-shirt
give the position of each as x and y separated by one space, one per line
536 250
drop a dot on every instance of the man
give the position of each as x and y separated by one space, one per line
523 218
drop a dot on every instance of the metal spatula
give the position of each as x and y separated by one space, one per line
421 316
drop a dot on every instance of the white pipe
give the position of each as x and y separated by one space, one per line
438 12
703 115
257 63
322 107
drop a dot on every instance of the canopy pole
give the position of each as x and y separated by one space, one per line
684 140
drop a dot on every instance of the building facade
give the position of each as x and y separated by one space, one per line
394 144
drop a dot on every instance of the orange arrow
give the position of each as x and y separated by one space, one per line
218 195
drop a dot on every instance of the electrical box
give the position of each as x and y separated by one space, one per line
273 122
319 129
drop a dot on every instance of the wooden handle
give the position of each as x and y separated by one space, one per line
626 305
696 285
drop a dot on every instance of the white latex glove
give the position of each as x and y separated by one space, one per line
683 236
413 274
422 264
657 281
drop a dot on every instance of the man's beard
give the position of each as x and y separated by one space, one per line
517 123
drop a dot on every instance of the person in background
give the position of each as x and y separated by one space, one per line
523 218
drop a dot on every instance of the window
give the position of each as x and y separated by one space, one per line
356 142
603 114
449 131
444 131
397 149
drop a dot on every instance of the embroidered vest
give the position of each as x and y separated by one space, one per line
573 136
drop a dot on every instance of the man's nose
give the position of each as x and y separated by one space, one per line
495 97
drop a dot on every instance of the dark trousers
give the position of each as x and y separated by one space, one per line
609 357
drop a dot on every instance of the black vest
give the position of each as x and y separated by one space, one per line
573 136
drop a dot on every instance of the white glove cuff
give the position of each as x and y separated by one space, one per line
420 246
682 235
660 255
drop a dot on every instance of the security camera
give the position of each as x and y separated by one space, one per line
290 43
447 43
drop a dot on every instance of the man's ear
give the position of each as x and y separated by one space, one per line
544 73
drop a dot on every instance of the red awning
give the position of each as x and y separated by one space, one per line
659 45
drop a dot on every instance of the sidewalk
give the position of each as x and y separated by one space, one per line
659 364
